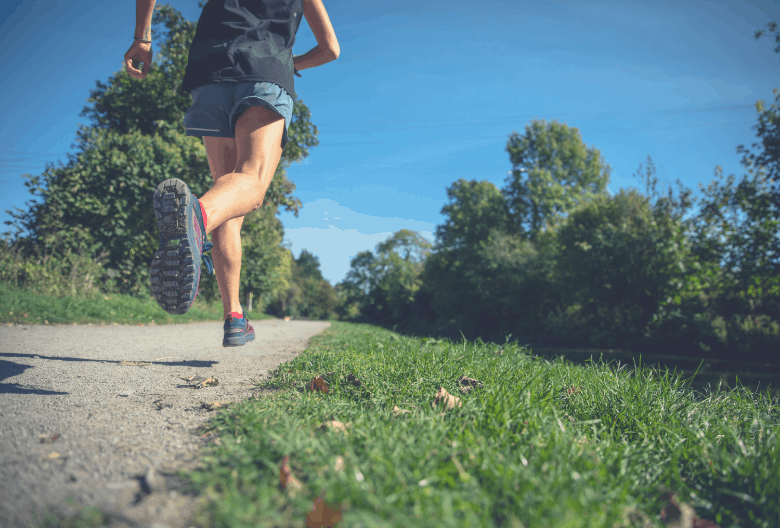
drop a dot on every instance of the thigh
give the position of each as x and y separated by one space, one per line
259 133
221 153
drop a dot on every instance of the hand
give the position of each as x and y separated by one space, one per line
140 52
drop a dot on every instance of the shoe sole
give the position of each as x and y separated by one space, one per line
237 340
174 270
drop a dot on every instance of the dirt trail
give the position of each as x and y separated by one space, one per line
123 427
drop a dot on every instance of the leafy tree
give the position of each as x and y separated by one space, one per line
100 201
384 285
307 265
621 261
474 210
308 294
552 172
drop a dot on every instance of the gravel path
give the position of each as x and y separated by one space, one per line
123 429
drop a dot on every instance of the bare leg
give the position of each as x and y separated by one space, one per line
226 254
226 234
258 151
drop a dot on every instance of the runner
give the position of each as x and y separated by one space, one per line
240 75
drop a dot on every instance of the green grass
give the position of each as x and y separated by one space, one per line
104 309
543 443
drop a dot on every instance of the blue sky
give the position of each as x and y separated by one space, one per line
425 93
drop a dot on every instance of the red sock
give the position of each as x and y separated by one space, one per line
203 212
237 315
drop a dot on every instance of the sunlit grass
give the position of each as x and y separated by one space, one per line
104 309
541 444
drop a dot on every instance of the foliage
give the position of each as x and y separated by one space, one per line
621 263
100 201
385 284
308 295
560 173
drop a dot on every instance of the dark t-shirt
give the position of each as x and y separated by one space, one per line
244 40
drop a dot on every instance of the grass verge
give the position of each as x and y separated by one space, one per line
23 307
540 443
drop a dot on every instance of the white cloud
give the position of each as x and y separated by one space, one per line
336 246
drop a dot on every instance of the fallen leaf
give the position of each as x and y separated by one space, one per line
463 380
335 425
680 515
398 411
339 464
134 363
211 406
286 478
45 321
353 380
317 384
47 439
442 396
461 357
200 381
162 404
322 515
51 456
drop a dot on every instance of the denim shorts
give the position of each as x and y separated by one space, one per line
217 107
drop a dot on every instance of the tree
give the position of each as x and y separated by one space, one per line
474 210
768 130
621 261
308 294
552 173
383 286
100 200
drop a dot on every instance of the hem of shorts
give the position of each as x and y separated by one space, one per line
240 80
206 133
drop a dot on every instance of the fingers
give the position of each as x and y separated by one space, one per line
133 72
144 60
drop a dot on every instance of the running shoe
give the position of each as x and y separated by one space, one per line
237 331
175 271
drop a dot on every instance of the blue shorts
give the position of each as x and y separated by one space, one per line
217 107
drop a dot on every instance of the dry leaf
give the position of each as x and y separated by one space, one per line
134 363
47 439
322 515
317 384
573 390
354 381
463 380
442 396
51 456
398 411
336 425
286 479
339 464
200 381
211 406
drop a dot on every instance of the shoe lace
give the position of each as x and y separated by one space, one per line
207 259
